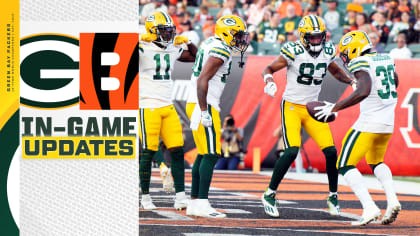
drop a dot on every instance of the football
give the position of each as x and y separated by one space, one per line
310 106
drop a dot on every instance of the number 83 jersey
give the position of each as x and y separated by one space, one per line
304 72
155 73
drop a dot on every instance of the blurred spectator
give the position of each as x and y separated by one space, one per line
172 13
412 35
270 32
292 36
374 39
231 145
201 16
313 7
209 27
402 51
383 26
362 23
227 9
245 3
282 10
157 5
379 8
394 13
211 3
399 26
187 30
256 12
350 18
332 17
291 21
265 20
415 9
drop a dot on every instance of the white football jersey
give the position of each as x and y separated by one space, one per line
377 111
155 73
304 72
216 48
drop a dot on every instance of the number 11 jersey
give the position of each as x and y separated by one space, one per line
304 72
155 73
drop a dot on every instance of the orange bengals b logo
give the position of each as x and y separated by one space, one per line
109 66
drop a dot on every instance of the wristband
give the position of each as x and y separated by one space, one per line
267 76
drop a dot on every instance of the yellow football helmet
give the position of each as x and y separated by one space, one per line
312 33
353 44
232 30
160 23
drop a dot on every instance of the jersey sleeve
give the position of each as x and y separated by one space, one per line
358 64
180 51
220 52
287 52
141 49
330 50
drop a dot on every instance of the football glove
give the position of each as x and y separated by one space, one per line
148 37
180 40
325 111
270 89
206 120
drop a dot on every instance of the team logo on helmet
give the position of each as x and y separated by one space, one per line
346 40
302 23
151 18
229 22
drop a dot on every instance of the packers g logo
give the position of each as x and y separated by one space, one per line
49 71
229 22
302 23
151 18
346 40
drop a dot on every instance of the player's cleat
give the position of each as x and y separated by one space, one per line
204 209
334 207
191 207
146 202
270 206
391 213
370 214
165 174
181 202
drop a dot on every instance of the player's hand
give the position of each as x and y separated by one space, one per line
206 120
325 111
148 37
270 89
180 40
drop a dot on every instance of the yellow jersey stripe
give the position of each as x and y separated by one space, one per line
286 52
221 51
358 64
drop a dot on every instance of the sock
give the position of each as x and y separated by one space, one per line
282 165
145 170
332 172
195 174
384 175
158 157
178 170
333 193
355 180
206 173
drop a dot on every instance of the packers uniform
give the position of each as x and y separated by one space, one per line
207 139
158 117
370 134
304 79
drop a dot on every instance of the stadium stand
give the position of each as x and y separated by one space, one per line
369 8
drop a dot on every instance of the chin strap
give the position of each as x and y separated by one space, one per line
241 63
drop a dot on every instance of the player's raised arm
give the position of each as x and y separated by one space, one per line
187 55
340 74
279 63
364 84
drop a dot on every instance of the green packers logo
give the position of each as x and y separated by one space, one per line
346 40
302 23
49 71
229 22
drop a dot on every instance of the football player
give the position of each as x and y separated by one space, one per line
212 66
307 61
369 135
159 49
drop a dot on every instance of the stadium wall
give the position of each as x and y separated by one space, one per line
259 114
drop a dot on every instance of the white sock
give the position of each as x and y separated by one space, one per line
269 191
384 175
355 180
146 197
180 195
333 193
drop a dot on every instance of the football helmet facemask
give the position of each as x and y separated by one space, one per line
312 33
161 24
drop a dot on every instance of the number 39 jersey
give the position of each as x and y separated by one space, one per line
377 111
304 72
155 73
216 48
